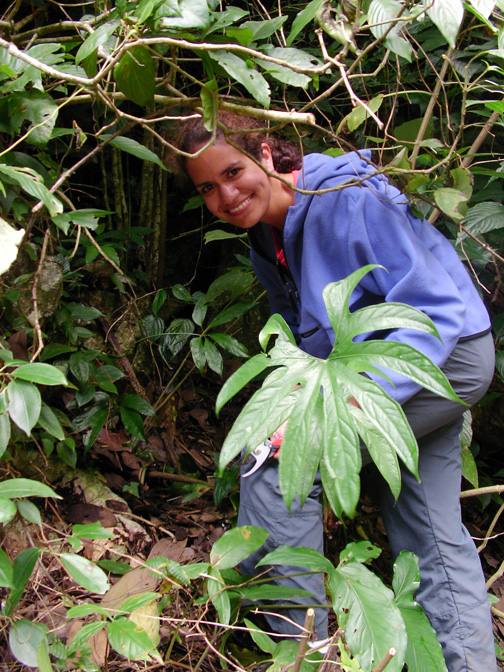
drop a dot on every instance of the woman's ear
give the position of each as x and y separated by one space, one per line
267 158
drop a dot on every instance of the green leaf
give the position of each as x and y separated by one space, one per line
5 432
235 545
368 614
182 293
133 147
39 109
424 652
303 18
469 467
89 219
137 602
31 182
240 378
83 610
85 633
159 299
7 510
452 202
133 423
129 640
29 511
25 638
484 217
6 575
137 403
108 374
91 531
49 421
22 569
216 588
238 70
230 344
43 658
263 641
178 333
359 551
213 357
96 39
299 557
293 392
134 76
268 592
44 374
25 487
232 313
85 573
447 15
198 352
66 451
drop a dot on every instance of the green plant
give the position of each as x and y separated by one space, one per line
324 430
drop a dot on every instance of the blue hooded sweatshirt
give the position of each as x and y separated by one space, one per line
326 237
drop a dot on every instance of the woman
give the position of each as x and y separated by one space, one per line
301 242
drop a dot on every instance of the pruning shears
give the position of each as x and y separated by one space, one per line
265 450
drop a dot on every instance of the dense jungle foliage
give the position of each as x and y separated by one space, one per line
124 307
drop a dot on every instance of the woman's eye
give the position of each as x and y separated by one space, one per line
206 189
233 172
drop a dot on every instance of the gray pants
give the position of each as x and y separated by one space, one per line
426 520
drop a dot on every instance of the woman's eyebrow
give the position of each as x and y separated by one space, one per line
223 172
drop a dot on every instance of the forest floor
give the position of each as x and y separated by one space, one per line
159 501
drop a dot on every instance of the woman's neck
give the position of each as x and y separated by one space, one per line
282 197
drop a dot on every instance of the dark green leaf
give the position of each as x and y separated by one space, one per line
49 421
133 147
136 403
299 557
91 531
230 344
66 451
216 588
303 18
231 313
198 352
153 327
213 357
159 299
424 653
134 76
37 107
133 422
178 333
5 432
32 183
22 567
6 574
182 293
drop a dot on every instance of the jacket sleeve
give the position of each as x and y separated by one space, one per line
419 267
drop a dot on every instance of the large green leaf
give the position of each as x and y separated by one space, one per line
235 545
239 70
49 421
216 588
313 395
85 573
129 640
95 40
424 653
22 568
25 638
7 510
368 614
303 18
6 574
24 404
39 109
44 374
5 432
447 15
25 487
31 182
134 76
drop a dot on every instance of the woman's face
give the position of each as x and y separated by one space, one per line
234 188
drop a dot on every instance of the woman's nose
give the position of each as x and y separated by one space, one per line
227 193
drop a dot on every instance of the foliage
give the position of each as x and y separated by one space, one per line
87 102
324 430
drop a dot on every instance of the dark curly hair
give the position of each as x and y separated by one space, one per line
240 131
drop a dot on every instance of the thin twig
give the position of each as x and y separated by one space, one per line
385 660
487 490
305 638
36 278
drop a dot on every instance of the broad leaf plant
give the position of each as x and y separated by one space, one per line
325 431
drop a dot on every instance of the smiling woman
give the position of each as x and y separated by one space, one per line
302 242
